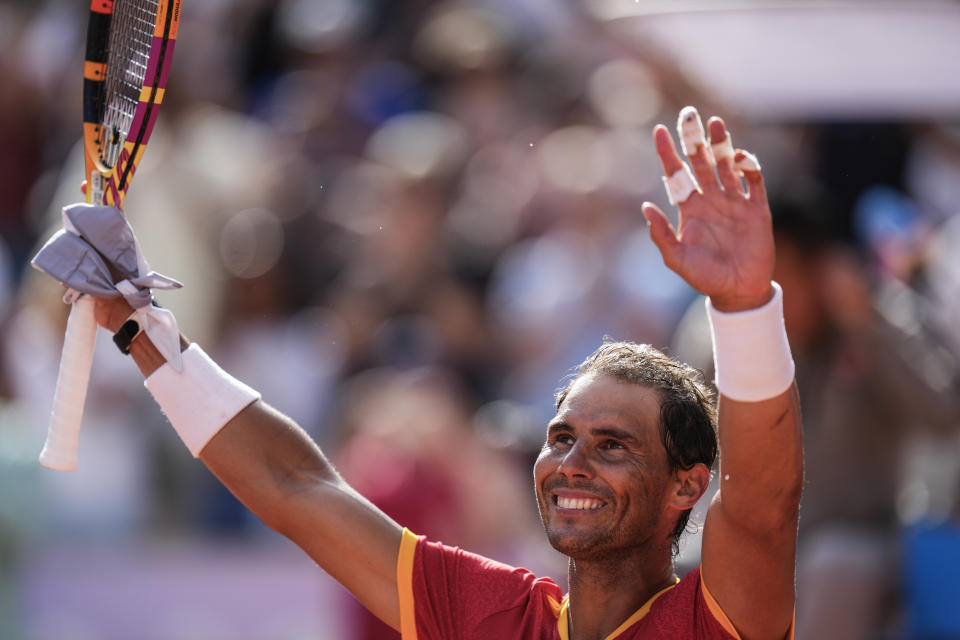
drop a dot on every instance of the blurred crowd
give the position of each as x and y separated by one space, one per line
404 222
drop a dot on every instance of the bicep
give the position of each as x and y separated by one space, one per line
750 575
750 534
273 467
353 541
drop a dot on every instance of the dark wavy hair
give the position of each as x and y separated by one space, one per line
688 416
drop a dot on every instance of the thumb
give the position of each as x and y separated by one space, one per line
662 234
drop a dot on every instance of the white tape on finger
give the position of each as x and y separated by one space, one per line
723 150
680 185
748 162
690 130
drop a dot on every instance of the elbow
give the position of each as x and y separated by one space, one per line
785 510
295 495
775 511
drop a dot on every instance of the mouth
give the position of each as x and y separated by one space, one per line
577 504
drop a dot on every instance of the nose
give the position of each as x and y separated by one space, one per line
576 463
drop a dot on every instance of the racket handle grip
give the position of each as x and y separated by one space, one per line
63 436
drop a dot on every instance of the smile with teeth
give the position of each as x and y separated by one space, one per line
582 504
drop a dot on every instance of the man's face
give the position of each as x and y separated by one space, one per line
602 476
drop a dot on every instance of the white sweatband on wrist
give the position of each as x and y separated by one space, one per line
751 354
199 400
680 185
723 149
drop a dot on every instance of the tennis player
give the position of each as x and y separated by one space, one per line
626 457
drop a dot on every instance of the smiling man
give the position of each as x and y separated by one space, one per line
644 417
626 457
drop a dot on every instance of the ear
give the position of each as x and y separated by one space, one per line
688 486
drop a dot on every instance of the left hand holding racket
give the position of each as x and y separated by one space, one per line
95 247
126 63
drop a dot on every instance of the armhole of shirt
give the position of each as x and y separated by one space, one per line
716 611
408 617
722 618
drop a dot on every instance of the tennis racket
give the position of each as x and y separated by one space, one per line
129 48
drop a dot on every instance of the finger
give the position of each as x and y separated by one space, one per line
83 187
662 234
723 154
756 189
690 130
678 179
667 152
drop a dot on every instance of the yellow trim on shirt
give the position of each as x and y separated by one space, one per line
716 611
408 618
563 625
555 606
408 621
722 618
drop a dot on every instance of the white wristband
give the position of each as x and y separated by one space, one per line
199 400
751 354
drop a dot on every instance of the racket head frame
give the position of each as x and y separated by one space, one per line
112 155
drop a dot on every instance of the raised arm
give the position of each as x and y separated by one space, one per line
723 247
273 467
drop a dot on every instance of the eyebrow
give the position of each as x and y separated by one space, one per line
609 432
555 427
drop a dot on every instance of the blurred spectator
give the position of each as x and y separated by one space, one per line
402 428
931 577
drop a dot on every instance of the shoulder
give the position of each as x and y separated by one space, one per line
449 590
479 576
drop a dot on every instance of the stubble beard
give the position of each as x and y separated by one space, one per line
587 546
598 544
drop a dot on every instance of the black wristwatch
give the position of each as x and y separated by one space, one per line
126 333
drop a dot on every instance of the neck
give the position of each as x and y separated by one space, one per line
605 592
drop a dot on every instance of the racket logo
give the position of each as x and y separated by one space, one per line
112 192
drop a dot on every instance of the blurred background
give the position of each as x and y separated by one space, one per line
405 221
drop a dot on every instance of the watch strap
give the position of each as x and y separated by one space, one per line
130 329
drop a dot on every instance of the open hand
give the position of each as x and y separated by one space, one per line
723 246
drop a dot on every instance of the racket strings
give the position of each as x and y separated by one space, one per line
131 36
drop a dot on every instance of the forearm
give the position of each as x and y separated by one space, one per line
259 454
276 470
268 462
761 463
273 467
